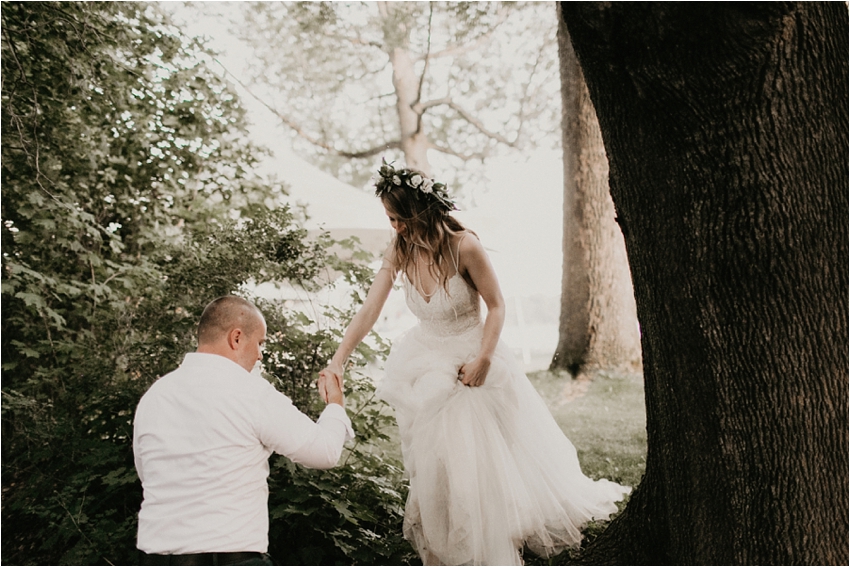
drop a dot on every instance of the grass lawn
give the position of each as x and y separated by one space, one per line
605 419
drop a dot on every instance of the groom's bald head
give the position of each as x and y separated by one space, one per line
225 314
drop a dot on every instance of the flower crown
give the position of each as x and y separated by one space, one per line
390 178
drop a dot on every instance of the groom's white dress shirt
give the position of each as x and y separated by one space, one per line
202 438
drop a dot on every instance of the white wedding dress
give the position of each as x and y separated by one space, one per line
489 468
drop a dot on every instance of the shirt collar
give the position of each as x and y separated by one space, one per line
205 359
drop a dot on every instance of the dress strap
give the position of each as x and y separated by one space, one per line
456 257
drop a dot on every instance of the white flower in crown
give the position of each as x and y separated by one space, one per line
415 180
396 180
427 186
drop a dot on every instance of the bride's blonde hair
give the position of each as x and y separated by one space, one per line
429 226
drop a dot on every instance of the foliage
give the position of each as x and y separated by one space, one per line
113 144
481 77
128 203
351 514
348 515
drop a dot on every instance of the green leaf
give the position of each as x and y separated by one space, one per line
26 350
31 299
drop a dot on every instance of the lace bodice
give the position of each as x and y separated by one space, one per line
446 314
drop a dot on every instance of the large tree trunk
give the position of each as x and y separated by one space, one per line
598 326
726 131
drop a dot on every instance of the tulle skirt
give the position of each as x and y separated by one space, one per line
489 468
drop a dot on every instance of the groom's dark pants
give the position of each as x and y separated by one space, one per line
230 558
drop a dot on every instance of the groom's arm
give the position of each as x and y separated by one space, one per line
287 431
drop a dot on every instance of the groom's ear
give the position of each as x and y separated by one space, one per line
234 337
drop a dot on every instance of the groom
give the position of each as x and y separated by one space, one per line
202 438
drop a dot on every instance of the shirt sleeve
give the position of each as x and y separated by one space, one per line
136 457
287 431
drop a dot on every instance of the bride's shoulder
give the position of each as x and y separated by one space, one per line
467 242
390 261
467 238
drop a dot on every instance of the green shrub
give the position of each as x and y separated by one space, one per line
128 203
71 494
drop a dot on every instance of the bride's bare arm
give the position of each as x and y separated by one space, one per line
476 265
362 322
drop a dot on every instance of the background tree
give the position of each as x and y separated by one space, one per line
598 326
467 80
726 132
128 202
400 79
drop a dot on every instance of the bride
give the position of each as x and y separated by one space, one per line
490 471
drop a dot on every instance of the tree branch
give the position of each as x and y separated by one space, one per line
394 144
34 114
424 71
525 96
368 72
302 133
474 122
355 40
427 61
465 157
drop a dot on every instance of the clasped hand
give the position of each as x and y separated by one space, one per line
474 373
330 386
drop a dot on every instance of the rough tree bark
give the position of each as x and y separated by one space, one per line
725 126
598 326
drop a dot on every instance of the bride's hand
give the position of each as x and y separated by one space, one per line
474 373
334 368
331 371
330 385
